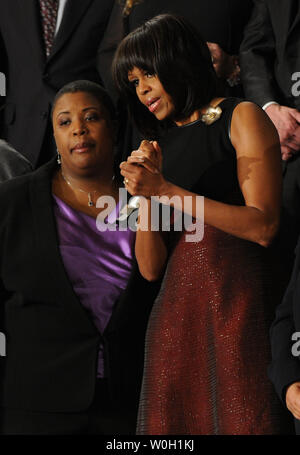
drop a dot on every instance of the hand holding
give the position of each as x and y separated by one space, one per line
148 155
144 179
287 122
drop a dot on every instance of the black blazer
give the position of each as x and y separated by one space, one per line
270 52
33 79
285 367
52 343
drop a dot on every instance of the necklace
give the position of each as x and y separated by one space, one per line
89 193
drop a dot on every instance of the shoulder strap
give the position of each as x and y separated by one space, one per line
229 104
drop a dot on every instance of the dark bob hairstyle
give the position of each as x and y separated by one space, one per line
172 49
95 90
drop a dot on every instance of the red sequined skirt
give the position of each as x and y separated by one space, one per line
207 346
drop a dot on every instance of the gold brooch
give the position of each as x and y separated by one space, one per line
211 115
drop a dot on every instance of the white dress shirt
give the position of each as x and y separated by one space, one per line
60 12
268 104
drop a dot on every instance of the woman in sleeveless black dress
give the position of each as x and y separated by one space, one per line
207 346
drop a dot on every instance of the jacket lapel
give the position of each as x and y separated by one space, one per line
74 10
30 17
136 300
45 233
294 18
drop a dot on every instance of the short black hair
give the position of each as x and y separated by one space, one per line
98 92
102 96
172 49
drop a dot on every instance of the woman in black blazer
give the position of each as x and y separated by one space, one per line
62 374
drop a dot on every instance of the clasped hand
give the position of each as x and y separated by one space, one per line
287 122
142 170
293 399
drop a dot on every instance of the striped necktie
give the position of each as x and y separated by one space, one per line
48 10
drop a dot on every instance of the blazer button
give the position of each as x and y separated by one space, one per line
44 115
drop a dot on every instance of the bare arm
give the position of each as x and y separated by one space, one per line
150 245
255 140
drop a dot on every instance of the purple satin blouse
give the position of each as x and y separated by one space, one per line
98 263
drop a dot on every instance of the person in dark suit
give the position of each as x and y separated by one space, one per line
284 370
44 45
221 22
12 163
270 60
75 297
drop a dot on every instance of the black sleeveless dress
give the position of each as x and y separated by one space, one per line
207 346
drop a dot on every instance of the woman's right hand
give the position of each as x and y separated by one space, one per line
292 399
148 155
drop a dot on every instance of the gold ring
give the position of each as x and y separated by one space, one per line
125 181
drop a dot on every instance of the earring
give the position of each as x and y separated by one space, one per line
58 158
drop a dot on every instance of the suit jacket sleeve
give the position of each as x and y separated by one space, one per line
285 368
290 224
12 163
2 331
4 295
3 66
257 57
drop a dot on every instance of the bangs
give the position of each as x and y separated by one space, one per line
136 50
170 48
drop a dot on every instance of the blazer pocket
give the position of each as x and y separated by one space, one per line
9 113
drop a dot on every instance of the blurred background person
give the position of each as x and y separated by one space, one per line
270 57
270 60
45 44
12 163
284 370
221 23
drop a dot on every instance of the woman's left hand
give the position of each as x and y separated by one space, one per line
139 181
149 155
